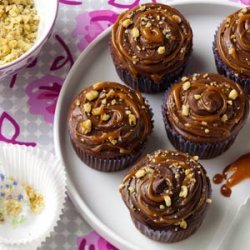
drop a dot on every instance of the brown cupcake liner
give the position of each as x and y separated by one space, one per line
146 84
167 236
106 164
223 69
203 150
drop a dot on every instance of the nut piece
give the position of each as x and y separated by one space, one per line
92 95
112 140
197 97
244 10
224 118
186 85
97 111
161 50
167 200
196 157
176 18
86 126
78 102
132 119
162 206
207 131
126 23
131 189
233 94
105 117
209 201
87 107
185 110
183 224
184 192
140 173
135 32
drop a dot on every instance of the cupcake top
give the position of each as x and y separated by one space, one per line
233 41
206 107
166 188
108 119
17 201
152 39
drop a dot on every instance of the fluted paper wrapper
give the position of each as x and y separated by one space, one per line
46 175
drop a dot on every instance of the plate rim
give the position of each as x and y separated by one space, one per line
80 205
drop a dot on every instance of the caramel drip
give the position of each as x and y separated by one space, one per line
212 113
155 27
233 174
120 119
166 173
233 41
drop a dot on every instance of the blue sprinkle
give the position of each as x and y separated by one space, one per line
14 183
7 185
2 194
2 177
20 197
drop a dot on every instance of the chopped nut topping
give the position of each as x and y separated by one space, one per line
92 95
162 206
102 95
113 102
207 130
161 50
148 25
230 102
197 97
224 118
176 18
184 78
204 123
149 170
244 10
110 93
112 140
105 117
86 126
142 8
132 119
121 186
87 107
183 224
126 23
131 189
231 51
185 110
187 171
186 85
127 112
167 200
184 192
96 85
135 32
209 201
140 173
78 102
104 101
97 111
196 157
233 94
205 75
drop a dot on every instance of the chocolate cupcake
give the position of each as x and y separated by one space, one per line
150 46
204 113
167 194
232 48
109 124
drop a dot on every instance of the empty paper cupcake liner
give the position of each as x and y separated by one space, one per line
223 69
46 175
203 150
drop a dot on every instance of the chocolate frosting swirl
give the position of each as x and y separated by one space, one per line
206 107
166 189
152 40
233 41
109 119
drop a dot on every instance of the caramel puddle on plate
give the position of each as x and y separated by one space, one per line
233 174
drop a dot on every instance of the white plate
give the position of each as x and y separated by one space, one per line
95 194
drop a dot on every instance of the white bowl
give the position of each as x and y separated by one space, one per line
47 12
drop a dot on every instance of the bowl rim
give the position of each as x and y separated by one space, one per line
35 46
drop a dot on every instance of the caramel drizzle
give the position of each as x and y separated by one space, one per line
151 38
145 200
117 133
233 41
205 117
